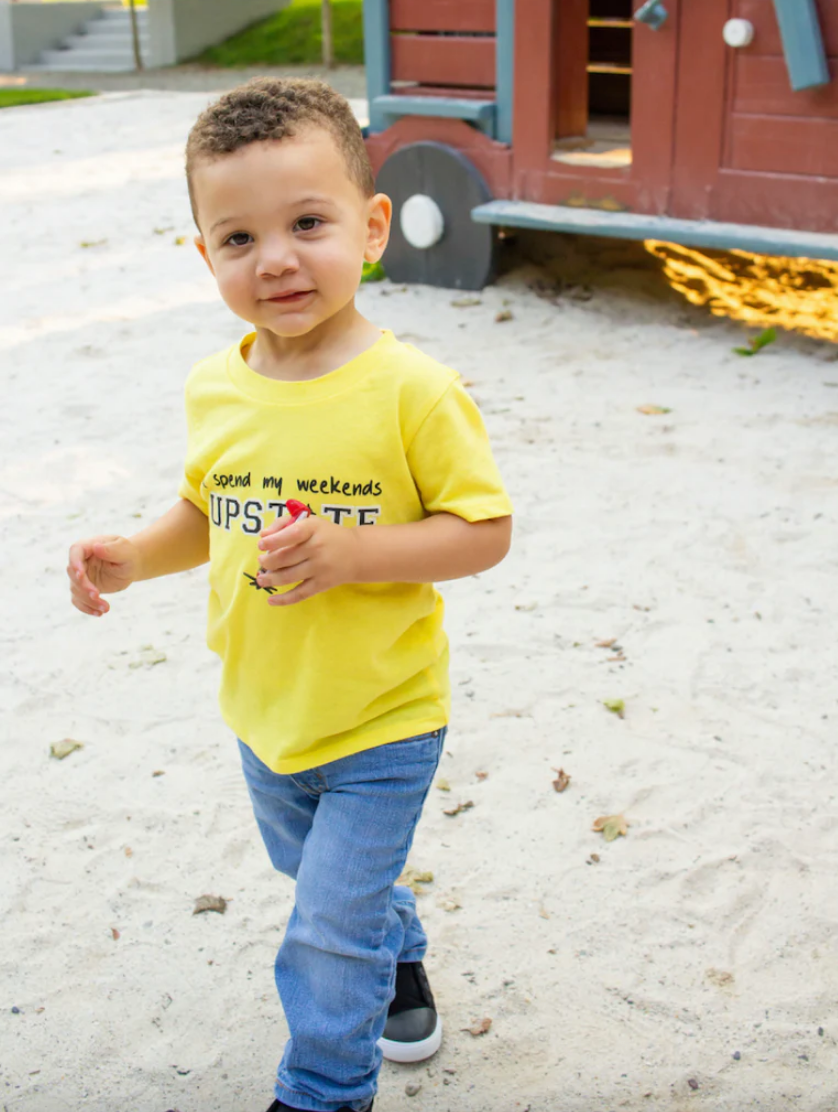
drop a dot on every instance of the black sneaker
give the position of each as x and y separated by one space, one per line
413 1031
278 1106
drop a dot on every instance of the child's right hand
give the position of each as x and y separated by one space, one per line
101 565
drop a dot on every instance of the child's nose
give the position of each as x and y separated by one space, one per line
277 255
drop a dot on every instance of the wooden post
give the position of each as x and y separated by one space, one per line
570 68
505 67
800 31
327 37
377 58
135 37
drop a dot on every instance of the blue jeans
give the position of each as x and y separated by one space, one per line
343 832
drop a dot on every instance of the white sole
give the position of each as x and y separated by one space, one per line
413 1051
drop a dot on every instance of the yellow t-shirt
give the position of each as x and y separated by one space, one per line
390 437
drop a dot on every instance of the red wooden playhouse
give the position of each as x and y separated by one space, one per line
711 123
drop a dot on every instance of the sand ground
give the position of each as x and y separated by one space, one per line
694 964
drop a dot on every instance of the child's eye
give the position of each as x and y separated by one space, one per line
308 223
239 239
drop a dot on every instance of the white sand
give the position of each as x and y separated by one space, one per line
704 540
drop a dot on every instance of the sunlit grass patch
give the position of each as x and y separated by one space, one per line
293 37
762 291
11 98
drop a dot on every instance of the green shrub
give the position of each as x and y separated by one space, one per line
293 37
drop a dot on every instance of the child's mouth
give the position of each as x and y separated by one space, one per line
290 298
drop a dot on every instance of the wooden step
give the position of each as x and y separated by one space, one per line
630 225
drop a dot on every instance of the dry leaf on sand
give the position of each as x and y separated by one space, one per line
414 879
480 1027
606 644
210 903
561 781
611 826
460 807
481 775
62 749
442 785
616 706
450 903
149 656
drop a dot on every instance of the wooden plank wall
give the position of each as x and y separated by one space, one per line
771 128
442 15
447 43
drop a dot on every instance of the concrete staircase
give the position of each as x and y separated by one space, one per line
104 45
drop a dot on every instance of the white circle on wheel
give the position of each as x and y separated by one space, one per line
738 32
421 221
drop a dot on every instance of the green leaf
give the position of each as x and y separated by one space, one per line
373 272
768 336
764 339
616 706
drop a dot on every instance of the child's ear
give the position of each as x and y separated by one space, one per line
380 214
202 249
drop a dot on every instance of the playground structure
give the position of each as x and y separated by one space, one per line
710 123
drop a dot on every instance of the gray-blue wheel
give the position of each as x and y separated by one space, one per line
433 239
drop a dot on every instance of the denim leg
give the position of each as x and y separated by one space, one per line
284 811
415 942
336 968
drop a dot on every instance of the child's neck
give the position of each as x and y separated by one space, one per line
330 345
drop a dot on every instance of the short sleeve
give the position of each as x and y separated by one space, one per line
452 464
192 483
190 489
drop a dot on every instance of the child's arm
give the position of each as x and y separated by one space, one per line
318 555
177 541
441 547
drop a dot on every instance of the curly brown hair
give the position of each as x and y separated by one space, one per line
277 108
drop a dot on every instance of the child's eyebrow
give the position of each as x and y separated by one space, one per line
223 221
313 201
303 202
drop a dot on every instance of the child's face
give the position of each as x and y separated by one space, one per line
285 230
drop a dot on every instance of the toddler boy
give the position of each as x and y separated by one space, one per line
335 663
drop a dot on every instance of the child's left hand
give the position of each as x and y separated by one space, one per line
313 553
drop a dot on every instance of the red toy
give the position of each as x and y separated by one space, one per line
296 508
